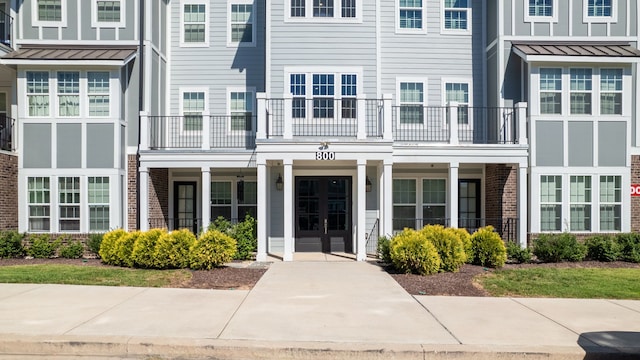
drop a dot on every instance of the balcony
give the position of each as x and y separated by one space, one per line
6 22
7 133
203 132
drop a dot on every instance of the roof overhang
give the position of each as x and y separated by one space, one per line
576 52
115 56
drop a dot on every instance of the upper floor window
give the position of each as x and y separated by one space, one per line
611 91
542 8
349 92
107 13
193 108
459 92
323 87
338 9
456 15
410 15
241 27
241 106
580 89
49 12
599 11
38 93
98 93
411 103
68 93
195 24
550 91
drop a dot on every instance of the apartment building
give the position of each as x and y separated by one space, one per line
331 121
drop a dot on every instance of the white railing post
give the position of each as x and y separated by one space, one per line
144 130
206 131
387 116
453 123
14 128
521 113
361 117
262 116
287 131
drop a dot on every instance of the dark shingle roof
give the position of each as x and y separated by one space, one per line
70 52
601 49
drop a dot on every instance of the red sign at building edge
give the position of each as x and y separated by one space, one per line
635 189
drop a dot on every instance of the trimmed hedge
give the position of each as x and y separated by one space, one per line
144 248
558 248
602 248
108 248
448 244
172 250
488 248
412 253
212 249
11 244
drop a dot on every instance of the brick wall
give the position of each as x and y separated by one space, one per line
158 197
635 200
501 187
131 193
8 191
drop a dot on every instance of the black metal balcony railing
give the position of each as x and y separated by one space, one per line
6 133
487 125
6 21
187 132
506 227
420 123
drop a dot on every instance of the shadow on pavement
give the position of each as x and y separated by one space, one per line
610 345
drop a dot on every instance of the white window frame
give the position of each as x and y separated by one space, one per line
231 196
90 204
425 84
44 23
469 82
63 204
252 21
599 19
205 112
614 203
89 94
553 203
563 101
445 204
43 205
589 203
238 205
422 30
416 201
107 24
50 84
336 18
251 92
445 30
580 91
539 18
79 94
601 91
207 21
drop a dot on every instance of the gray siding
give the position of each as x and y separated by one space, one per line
549 143
37 145
69 146
580 143
132 99
100 146
613 143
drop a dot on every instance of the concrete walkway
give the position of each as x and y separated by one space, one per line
307 310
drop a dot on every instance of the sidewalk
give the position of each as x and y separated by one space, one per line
308 310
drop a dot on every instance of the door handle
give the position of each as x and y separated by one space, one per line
325 226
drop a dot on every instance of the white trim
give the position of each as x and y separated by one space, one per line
443 98
541 19
205 111
422 30
56 24
253 19
207 21
425 86
446 31
95 23
308 12
252 93
599 19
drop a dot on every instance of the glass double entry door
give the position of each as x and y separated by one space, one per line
323 214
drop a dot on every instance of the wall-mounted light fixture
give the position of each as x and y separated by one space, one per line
368 185
279 183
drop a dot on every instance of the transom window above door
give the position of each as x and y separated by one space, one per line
325 10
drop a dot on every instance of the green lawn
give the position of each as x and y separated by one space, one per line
91 275
584 283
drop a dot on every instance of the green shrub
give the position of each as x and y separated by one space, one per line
42 247
518 254
212 249
629 246
558 247
93 243
108 248
488 248
72 250
144 248
221 224
602 248
245 234
465 237
383 249
448 244
124 248
412 253
172 249
11 244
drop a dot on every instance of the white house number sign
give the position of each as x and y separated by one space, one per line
325 155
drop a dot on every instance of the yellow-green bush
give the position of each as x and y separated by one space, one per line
172 250
413 253
108 247
465 237
124 248
488 248
448 244
212 249
144 248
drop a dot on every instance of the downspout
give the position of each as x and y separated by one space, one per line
141 34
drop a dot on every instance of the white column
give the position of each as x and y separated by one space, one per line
144 199
523 216
287 130
262 116
387 117
263 189
521 111
380 191
387 193
206 131
205 198
144 130
361 228
288 210
453 123
453 195
361 117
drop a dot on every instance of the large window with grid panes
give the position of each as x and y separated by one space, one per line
107 13
234 199
49 13
419 202
319 10
456 16
325 95
194 22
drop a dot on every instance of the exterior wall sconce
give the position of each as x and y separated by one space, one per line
367 185
279 183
